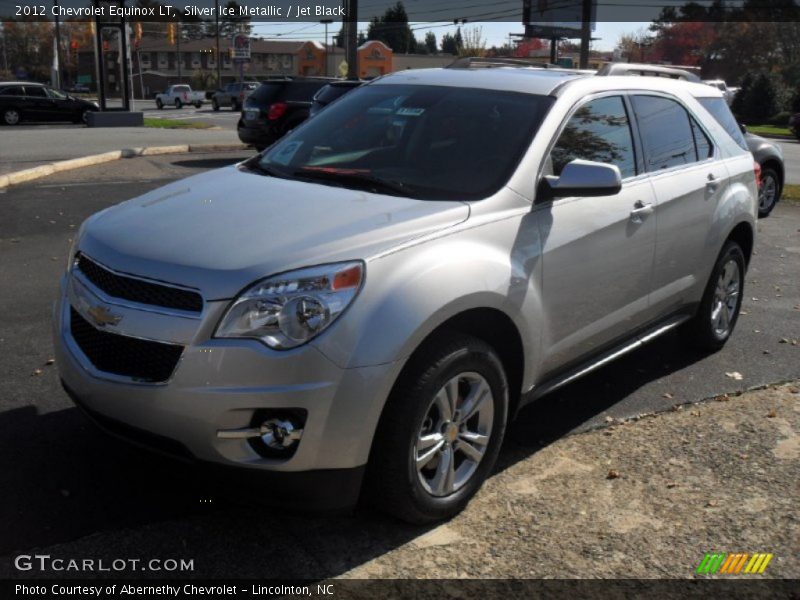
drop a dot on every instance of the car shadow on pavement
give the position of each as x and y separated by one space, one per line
65 481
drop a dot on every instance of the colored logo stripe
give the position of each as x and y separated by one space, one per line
732 564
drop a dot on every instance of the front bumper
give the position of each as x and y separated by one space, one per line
219 385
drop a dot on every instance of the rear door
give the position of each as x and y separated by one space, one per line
687 179
598 251
38 106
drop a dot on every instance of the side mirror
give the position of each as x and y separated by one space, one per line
581 178
743 127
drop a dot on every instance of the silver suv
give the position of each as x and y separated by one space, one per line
373 298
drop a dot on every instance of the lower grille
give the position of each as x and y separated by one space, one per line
143 360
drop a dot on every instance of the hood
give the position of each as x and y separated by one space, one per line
222 230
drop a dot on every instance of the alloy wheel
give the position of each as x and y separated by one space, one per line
726 299
11 117
455 434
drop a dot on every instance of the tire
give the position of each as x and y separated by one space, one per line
198 105
769 193
415 429
719 309
215 105
82 117
178 103
11 116
159 104
234 106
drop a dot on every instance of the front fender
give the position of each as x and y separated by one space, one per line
409 293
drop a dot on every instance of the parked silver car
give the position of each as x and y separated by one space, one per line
376 295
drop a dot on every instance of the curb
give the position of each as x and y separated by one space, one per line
26 175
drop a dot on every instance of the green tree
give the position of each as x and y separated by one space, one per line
449 45
430 42
393 29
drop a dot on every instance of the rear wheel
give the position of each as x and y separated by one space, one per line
769 193
159 104
11 116
440 432
234 105
178 103
198 104
719 309
214 104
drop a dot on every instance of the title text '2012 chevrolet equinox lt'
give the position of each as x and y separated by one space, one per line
371 299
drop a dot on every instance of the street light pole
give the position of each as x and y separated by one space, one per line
326 22
58 45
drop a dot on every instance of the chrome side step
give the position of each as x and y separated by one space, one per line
605 358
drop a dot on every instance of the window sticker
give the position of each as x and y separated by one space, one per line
285 155
408 111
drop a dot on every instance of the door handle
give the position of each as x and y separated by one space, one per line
640 209
713 183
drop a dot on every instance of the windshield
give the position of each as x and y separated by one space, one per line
434 142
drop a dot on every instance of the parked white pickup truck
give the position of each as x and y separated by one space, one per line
178 95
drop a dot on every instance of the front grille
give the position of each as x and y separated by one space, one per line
143 360
137 290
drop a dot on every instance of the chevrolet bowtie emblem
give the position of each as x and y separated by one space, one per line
102 316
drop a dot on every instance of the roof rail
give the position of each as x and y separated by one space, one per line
647 71
467 62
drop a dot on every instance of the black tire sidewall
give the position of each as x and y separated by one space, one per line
730 250
414 393
772 173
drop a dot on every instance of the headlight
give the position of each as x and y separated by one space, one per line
287 310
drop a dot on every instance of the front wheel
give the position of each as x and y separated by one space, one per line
719 309
198 104
440 432
159 104
215 105
11 116
769 193
178 103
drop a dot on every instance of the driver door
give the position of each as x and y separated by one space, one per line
598 252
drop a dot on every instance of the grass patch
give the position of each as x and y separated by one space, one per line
770 130
791 193
175 124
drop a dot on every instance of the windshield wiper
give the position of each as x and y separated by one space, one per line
364 181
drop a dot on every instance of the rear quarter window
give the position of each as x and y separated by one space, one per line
723 115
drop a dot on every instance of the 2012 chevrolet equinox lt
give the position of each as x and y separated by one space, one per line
371 299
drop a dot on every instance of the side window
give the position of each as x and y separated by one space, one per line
15 90
599 131
37 92
702 144
666 132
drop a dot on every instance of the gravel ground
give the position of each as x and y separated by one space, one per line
643 498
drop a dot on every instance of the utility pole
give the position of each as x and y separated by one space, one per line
586 32
216 31
326 22
58 45
351 14
5 54
178 42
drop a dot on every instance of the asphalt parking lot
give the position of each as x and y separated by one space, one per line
65 484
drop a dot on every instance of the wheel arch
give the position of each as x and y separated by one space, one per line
743 235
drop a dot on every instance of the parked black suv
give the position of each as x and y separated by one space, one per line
276 107
26 101
332 91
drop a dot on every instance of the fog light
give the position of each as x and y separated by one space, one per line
274 434
280 433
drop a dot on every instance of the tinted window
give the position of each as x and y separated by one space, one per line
180 89
432 142
57 94
666 132
303 91
37 92
330 93
265 94
15 90
599 131
701 142
720 111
